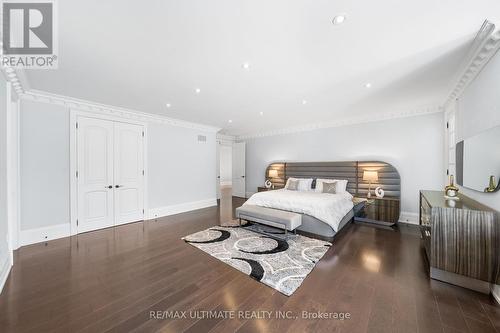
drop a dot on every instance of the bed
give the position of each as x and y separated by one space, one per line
324 215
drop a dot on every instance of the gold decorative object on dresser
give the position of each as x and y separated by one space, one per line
492 187
461 240
451 191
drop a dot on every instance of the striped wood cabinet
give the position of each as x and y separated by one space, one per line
461 240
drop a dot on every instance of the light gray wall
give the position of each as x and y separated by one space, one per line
478 110
44 158
413 145
181 169
4 99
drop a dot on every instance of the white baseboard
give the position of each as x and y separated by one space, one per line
44 234
495 291
5 271
410 218
180 208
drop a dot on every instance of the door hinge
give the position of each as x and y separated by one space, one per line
142 133
143 172
447 172
143 211
447 125
77 125
77 223
77 174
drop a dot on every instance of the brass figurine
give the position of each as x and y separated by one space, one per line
493 185
451 190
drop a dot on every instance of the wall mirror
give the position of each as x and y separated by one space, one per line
478 161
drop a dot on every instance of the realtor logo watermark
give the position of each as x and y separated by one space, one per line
29 34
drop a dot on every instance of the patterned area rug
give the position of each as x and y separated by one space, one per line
282 265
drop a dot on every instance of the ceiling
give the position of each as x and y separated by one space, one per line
143 55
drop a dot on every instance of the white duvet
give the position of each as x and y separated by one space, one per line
329 208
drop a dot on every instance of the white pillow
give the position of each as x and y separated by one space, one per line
305 184
341 186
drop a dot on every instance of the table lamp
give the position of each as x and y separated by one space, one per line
370 177
273 173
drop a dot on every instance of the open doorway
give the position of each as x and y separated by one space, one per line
230 167
224 165
231 180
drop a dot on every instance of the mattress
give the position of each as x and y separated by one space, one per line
327 208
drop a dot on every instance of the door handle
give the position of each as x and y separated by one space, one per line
110 186
242 176
118 186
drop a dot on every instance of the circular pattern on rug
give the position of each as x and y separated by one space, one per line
281 246
313 253
255 244
208 236
257 271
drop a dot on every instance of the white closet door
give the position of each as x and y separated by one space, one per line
239 188
129 176
95 174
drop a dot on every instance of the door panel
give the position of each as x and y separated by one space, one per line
128 176
239 188
95 174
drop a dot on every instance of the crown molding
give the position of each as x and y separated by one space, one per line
12 76
485 45
345 122
98 108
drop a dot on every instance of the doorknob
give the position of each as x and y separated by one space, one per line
118 186
110 186
242 176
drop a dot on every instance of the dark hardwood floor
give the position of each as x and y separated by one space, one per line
110 280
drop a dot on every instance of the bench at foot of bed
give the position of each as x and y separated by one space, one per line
288 221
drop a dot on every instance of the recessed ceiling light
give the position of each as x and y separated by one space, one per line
245 65
230 121
304 102
368 85
168 105
197 90
339 19
261 113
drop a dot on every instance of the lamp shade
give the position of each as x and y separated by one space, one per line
370 176
273 173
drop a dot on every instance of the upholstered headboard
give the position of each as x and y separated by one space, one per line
388 176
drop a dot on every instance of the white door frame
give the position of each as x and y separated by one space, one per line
13 172
74 114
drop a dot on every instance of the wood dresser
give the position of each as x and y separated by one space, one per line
461 240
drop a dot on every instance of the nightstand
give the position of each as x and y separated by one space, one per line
381 211
264 189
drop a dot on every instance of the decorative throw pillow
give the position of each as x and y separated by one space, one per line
304 184
320 182
330 188
293 185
